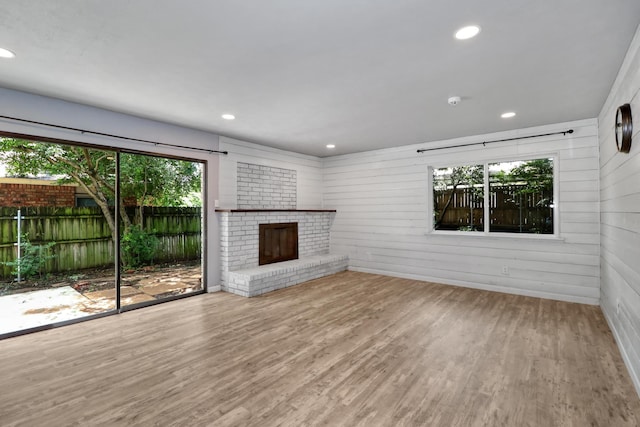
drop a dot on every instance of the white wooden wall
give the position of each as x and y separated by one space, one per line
308 168
382 221
620 216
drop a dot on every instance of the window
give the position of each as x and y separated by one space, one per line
510 197
85 201
458 198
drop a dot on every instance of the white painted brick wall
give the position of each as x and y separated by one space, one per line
266 187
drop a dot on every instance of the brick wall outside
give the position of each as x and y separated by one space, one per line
28 195
265 187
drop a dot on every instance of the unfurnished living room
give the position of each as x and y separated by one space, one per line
300 213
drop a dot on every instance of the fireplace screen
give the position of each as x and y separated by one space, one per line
278 242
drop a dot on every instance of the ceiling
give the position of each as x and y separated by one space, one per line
360 74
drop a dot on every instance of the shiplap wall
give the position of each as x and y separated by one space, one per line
382 221
620 215
308 170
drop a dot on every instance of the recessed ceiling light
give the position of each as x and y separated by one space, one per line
330 146
467 32
228 116
508 115
4 53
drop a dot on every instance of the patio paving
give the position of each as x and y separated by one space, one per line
41 307
36 308
128 294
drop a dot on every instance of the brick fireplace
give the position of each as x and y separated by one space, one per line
295 242
240 249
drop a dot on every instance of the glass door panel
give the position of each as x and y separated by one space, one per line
57 256
161 228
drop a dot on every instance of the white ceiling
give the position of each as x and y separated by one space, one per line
361 74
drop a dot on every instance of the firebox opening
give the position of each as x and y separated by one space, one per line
278 242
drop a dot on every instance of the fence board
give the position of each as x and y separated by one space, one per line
83 239
510 210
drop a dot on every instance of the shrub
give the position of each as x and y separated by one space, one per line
138 247
32 259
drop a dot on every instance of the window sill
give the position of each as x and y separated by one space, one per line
480 234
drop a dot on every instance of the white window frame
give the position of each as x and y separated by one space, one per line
487 195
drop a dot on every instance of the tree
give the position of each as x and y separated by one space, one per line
155 181
471 176
92 170
148 180
530 178
535 177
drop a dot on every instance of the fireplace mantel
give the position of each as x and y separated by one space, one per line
276 210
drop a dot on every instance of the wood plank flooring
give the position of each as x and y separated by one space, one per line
351 349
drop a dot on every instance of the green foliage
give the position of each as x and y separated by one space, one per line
157 181
192 200
33 259
530 177
93 168
138 247
451 178
536 176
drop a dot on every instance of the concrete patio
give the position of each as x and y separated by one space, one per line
72 301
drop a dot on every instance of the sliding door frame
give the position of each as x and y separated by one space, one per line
118 269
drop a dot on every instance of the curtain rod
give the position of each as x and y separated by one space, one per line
83 131
422 150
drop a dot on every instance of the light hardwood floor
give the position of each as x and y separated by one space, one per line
350 349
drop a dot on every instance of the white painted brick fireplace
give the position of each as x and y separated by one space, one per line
268 195
239 240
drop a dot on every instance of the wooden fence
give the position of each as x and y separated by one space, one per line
83 238
510 210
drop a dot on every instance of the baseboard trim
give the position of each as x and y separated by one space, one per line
635 379
482 286
211 289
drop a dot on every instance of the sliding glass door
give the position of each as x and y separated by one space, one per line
87 231
160 241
